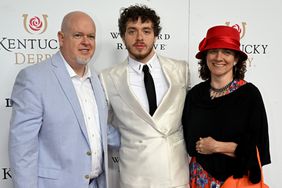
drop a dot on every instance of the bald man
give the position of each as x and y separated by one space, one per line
58 129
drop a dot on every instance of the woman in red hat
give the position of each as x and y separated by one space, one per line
224 117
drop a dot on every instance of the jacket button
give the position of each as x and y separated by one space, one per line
86 176
88 153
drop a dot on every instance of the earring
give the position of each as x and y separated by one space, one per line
234 63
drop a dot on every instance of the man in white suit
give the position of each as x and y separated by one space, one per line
152 152
58 131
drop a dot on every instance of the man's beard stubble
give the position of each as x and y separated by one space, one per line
139 57
82 61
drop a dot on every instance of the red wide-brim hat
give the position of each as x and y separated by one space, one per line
221 37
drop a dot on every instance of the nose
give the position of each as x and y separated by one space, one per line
218 55
86 41
139 35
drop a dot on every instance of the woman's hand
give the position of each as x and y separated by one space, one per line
208 145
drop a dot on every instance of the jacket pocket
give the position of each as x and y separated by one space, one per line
50 173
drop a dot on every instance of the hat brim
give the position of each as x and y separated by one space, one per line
242 54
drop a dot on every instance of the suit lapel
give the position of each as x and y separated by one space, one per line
120 79
101 105
170 73
66 84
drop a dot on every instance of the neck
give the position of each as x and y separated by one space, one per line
220 82
79 70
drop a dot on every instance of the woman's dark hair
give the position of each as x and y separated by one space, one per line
238 70
132 13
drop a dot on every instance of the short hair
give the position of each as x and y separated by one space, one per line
133 12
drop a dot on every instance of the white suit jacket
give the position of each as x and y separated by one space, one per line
48 142
152 152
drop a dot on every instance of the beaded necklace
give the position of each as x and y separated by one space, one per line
228 88
217 92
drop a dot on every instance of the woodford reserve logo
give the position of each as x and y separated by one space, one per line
251 50
30 50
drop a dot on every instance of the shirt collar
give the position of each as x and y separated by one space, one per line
87 73
138 66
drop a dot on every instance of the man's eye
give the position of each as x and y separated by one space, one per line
147 31
130 31
77 36
91 37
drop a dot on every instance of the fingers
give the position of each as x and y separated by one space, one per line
200 150
199 146
205 145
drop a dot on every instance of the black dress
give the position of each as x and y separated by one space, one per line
238 117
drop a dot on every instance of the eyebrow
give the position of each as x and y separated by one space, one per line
132 27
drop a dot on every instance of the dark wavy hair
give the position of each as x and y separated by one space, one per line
133 12
238 70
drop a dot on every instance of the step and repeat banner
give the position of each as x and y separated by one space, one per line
29 29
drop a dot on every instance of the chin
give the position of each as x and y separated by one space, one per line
83 61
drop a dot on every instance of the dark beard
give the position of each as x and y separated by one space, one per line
140 57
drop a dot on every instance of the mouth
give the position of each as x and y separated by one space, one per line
139 46
84 50
218 65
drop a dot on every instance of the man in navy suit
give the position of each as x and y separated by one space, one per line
58 132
